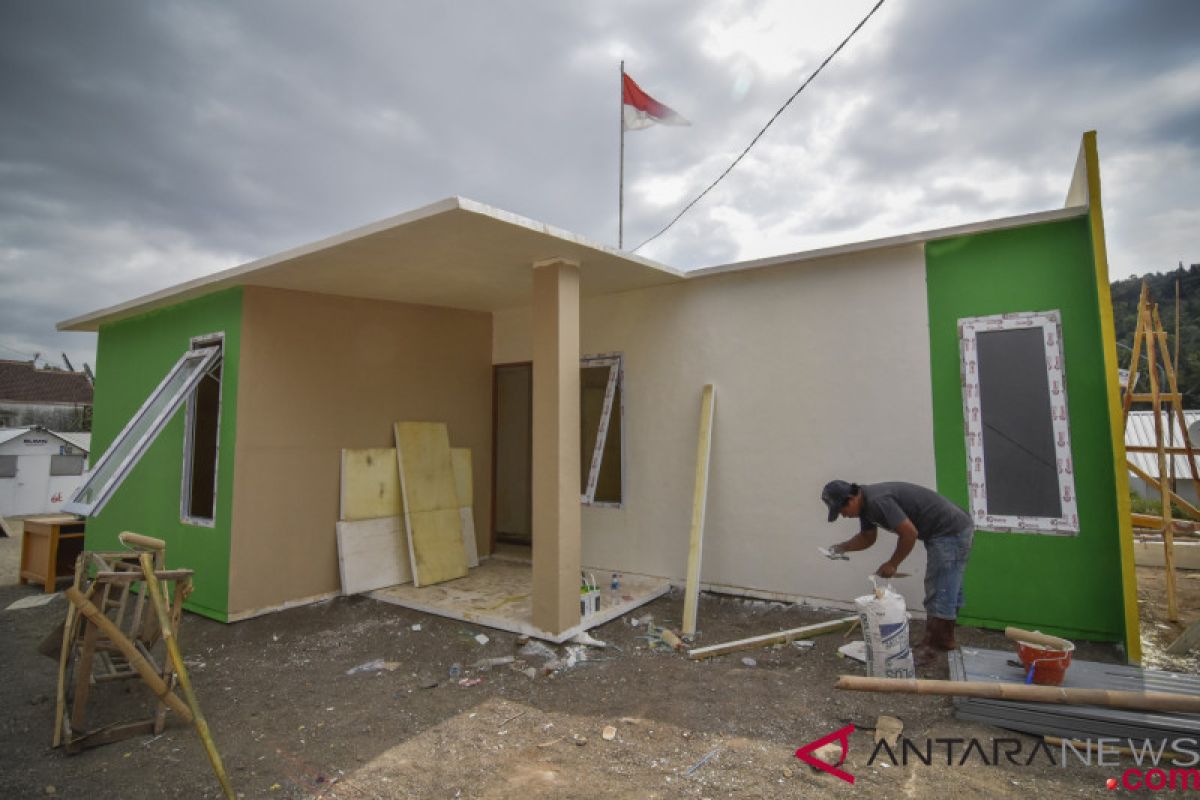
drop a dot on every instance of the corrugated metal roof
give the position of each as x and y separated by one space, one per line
1139 430
8 434
81 439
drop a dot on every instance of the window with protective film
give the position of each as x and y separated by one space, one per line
1019 465
142 429
600 419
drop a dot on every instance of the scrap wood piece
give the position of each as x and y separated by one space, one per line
782 637
889 729
370 486
464 487
431 508
691 597
1108 698
1187 640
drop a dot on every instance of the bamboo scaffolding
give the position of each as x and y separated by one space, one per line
1149 332
165 623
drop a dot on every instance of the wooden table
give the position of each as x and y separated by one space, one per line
49 547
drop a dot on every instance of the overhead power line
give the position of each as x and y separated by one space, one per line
758 135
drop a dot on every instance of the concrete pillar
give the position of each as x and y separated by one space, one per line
556 509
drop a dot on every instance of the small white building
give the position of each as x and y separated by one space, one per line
1139 432
39 469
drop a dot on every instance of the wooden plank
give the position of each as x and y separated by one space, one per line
460 460
372 554
691 597
1187 640
431 509
1154 484
370 484
805 632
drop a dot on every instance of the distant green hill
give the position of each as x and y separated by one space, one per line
1162 291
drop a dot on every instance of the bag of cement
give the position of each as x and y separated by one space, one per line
885 630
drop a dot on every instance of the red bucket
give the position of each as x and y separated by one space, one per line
1048 664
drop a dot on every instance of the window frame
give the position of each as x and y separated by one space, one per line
16 466
616 380
166 411
81 459
1051 324
216 340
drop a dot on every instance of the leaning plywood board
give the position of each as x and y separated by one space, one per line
431 509
372 554
460 458
691 598
370 484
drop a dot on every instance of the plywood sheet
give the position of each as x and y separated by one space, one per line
460 458
463 485
372 554
370 484
436 546
467 515
426 470
431 508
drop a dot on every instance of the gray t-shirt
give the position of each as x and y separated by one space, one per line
886 505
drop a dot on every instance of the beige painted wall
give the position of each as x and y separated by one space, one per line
822 371
320 373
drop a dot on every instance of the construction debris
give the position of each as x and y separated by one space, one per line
888 729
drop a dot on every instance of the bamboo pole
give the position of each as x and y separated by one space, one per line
1136 354
1153 345
1180 418
1108 698
1038 638
127 648
136 540
64 655
164 619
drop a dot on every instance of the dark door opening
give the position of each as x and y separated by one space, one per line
512 453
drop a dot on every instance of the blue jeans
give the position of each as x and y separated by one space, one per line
946 561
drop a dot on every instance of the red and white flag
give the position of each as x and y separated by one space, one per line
642 110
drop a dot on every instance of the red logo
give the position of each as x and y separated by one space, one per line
842 736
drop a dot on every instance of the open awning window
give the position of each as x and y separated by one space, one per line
600 417
132 443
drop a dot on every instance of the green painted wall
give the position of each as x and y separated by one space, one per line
1070 585
133 356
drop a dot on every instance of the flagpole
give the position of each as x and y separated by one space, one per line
621 177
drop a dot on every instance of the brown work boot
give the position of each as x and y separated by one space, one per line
942 633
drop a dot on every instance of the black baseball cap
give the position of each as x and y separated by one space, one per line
835 494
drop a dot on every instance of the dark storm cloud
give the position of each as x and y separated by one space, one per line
145 143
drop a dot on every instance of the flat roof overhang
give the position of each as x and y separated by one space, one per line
455 253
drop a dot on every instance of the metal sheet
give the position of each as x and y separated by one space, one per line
1074 721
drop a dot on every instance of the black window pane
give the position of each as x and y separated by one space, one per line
1018 437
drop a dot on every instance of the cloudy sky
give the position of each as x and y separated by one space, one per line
144 143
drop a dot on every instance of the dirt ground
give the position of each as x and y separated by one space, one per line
291 722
